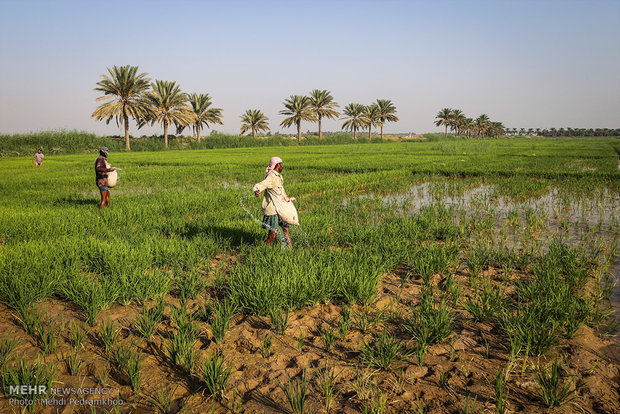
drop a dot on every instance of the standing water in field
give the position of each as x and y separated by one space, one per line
297 237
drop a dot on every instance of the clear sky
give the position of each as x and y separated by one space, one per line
528 63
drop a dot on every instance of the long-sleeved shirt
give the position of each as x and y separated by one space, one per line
101 171
273 185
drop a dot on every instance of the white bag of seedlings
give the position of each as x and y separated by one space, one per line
286 210
112 176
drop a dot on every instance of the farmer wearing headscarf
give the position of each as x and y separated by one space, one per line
102 168
273 184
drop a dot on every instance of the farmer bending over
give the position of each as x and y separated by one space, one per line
273 186
102 168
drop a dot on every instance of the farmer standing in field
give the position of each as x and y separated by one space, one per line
38 158
273 184
102 169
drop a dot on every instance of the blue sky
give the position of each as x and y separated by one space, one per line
535 64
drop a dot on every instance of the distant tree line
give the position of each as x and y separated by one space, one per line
459 124
565 132
130 94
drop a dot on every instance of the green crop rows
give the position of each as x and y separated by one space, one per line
544 209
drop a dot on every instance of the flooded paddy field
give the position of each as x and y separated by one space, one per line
453 276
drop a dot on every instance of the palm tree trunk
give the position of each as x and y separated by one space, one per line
446 130
198 131
320 133
381 131
369 131
354 132
126 120
298 131
253 133
166 133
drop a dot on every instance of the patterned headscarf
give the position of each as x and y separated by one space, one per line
272 164
104 151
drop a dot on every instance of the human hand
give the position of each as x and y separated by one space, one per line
257 193
292 199
112 169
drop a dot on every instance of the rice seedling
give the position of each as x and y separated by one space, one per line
214 375
190 284
500 393
7 347
161 400
419 407
37 376
487 302
265 349
74 362
376 403
128 363
108 334
430 324
30 319
48 337
146 323
221 321
102 374
296 393
469 409
325 383
301 340
77 335
206 312
279 320
381 351
329 337
555 388
361 384
443 379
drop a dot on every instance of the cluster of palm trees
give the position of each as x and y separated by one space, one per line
320 105
132 94
460 124
565 132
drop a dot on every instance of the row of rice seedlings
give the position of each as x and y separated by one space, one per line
432 259
555 389
190 284
108 335
296 392
279 320
381 351
214 374
35 375
181 346
128 363
7 346
265 349
488 301
325 383
429 323
146 323
221 321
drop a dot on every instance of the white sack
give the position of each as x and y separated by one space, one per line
286 210
112 176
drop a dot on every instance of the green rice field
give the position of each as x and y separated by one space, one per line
447 276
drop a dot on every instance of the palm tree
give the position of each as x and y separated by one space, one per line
125 88
470 126
444 117
169 105
323 105
254 120
387 112
298 108
457 120
354 114
203 115
371 117
482 124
